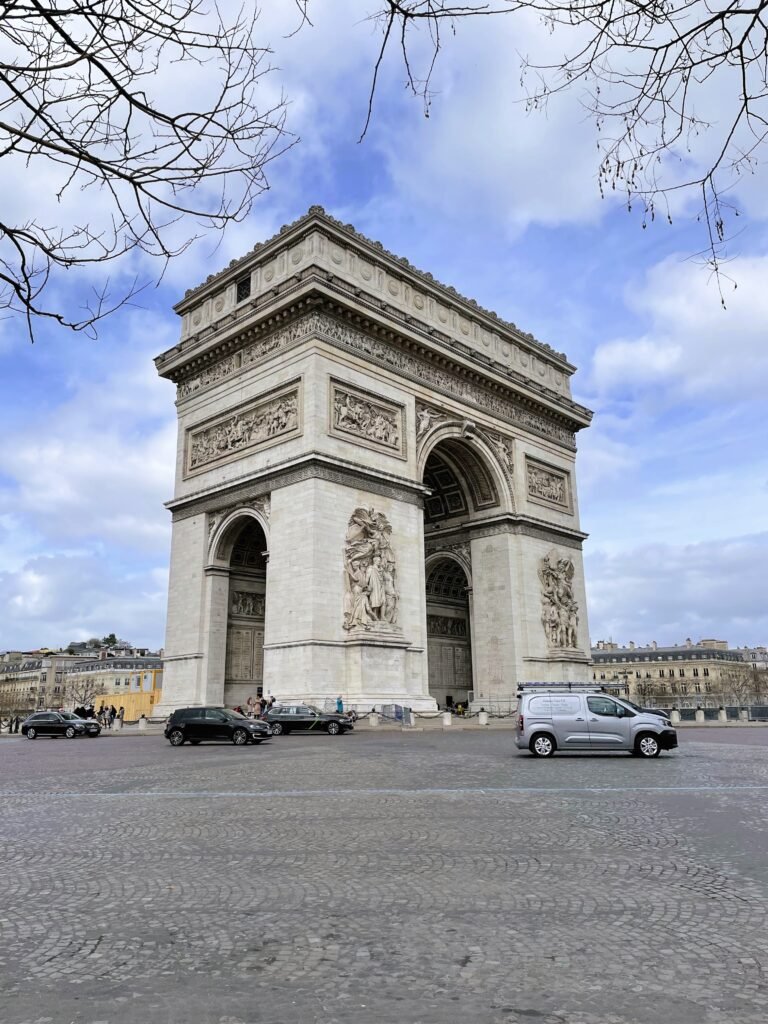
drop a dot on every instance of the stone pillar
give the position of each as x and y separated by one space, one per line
143 724
373 720
699 716
674 716
743 715
215 614
722 716
306 647
447 719
482 718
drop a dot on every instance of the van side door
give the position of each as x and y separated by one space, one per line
609 724
569 718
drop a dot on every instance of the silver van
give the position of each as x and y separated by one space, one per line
551 718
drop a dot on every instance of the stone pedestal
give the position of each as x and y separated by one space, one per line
674 716
722 716
699 716
482 718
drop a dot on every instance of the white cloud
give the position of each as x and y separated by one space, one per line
667 592
692 346
53 599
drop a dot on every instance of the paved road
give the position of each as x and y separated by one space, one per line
382 878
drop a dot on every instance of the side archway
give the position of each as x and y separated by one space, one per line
449 629
238 559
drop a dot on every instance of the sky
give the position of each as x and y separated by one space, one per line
501 204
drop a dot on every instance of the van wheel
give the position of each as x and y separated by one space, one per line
542 745
647 746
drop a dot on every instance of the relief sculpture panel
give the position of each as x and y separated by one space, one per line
370 573
559 609
548 486
357 416
257 424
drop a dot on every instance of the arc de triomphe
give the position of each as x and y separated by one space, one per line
375 490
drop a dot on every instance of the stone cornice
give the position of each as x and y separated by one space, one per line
529 526
307 467
346 234
263 313
281 329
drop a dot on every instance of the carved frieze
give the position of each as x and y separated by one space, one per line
394 357
461 548
559 609
370 573
548 485
247 605
357 416
267 420
444 625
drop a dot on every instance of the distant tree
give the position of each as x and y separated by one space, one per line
651 76
89 101
110 640
82 692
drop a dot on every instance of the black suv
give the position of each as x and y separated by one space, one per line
284 718
198 724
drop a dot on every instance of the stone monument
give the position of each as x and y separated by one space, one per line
375 490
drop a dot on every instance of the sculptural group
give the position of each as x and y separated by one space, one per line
370 572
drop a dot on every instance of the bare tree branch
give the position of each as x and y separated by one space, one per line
646 68
96 91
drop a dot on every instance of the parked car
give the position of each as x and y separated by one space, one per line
550 719
58 723
212 723
285 718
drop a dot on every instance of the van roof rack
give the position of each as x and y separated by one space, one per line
562 687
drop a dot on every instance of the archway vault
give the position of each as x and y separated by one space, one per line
226 529
484 464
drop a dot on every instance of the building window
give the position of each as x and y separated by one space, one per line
661 673
696 672
602 675
697 687
681 672
243 288
706 671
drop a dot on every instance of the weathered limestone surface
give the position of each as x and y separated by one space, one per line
321 375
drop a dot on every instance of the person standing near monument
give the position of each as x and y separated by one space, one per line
339 705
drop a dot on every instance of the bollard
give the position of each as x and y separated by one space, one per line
722 715
373 720
143 722
674 716
743 715
447 716
117 724
699 716
482 718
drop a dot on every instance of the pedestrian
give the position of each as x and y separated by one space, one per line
271 703
339 705
112 715
16 724
121 713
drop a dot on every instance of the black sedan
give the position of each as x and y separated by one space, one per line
211 723
285 718
58 723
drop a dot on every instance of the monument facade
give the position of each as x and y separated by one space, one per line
375 487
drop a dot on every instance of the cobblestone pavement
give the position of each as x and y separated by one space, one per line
382 878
